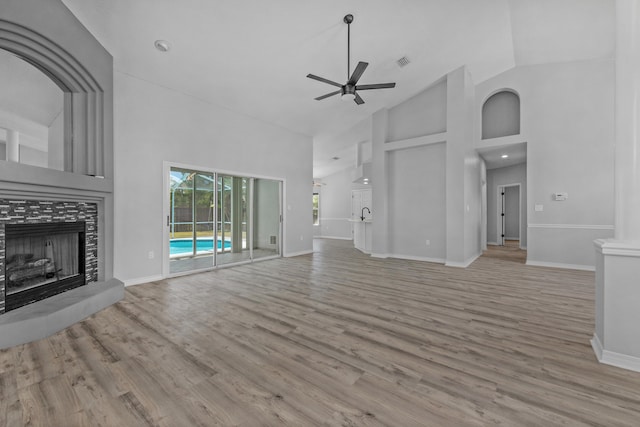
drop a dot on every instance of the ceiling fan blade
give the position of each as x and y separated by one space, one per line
327 95
358 100
357 73
322 79
376 86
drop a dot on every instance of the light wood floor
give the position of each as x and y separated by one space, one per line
509 252
334 338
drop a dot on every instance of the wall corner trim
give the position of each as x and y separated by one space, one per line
614 359
463 264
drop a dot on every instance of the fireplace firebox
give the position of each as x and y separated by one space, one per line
42 260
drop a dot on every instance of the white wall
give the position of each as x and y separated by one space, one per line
463 186
423 114
568 124
516 174
33 157
473 220
153 125
452 100
417 205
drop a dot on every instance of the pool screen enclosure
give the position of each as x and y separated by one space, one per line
217 219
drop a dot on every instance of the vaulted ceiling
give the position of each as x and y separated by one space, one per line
252 56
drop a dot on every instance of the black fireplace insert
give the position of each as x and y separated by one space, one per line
42 260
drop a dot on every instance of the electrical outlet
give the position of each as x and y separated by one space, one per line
151 255
428 242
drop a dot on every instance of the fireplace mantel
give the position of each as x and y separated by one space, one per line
83 69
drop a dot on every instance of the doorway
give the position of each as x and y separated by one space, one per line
509 215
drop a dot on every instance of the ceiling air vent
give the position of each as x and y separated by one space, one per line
403 62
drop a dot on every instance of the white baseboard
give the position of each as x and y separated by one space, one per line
417 258
561 265
464 264
373 255
597 347
606 357
142 280
292 254
332 237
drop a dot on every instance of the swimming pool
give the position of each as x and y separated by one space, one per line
185 246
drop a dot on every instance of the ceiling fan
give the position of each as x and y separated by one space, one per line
349 90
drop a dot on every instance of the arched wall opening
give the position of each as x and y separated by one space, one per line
501 115
83 140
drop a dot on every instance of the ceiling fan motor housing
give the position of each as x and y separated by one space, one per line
348 89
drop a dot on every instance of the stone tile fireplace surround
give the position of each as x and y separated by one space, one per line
50 211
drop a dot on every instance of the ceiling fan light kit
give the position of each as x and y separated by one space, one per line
348 91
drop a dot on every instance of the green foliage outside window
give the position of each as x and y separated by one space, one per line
316 209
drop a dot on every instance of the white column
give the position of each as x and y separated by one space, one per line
617 337
13 145
627 178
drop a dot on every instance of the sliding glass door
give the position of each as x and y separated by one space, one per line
267 201
233 225
191 220
220 219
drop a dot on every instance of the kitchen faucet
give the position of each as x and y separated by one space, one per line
362 213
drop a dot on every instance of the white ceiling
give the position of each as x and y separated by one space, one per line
252 56
516 154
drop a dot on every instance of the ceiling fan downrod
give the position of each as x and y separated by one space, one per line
348 19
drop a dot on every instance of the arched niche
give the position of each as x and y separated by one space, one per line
84 98
501 115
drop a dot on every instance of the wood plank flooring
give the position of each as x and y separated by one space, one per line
333 339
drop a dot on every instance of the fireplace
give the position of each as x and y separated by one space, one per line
41 260
49 267
46 247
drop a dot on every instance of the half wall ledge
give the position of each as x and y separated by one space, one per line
46 317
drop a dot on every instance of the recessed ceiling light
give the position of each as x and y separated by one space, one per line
504 156
162 45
